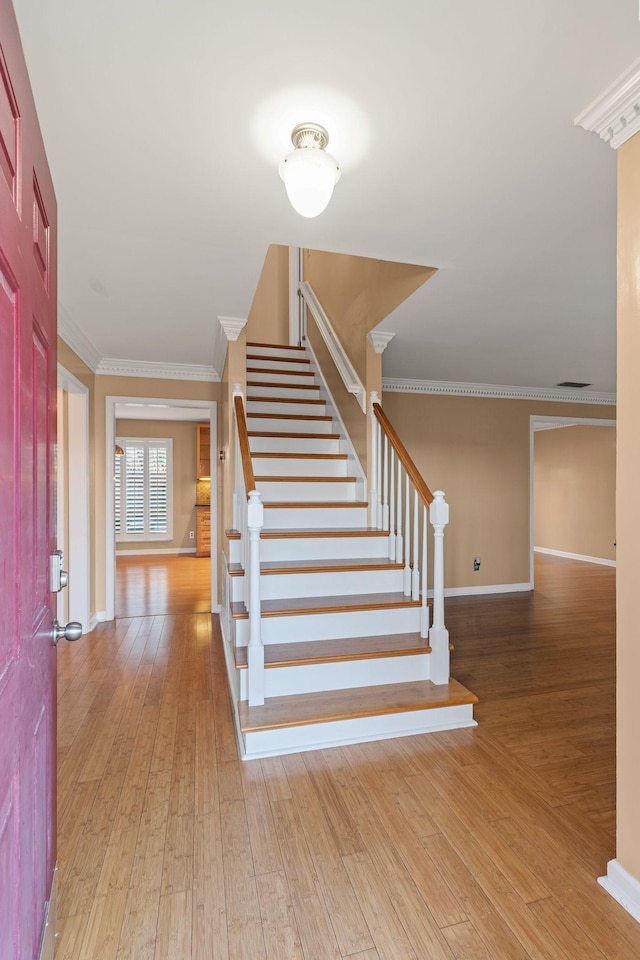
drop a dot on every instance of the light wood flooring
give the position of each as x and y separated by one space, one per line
466 845
164 583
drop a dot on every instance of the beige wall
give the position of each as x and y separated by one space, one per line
357 293
183 436
628 508
478 451
575 490
268 320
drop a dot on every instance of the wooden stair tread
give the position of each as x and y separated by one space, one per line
258 399
312 504
284 533
297 606
304 479
281 435
298 456
333 651
274 346
303 709
319 566
281 373
289 416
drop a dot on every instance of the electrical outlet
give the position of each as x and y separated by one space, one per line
192 534
476 563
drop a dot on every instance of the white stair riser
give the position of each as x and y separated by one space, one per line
290 518
314 548
278 366
284 491
286 377
275 406
317 677
316 736
277 352
284 391
286 424
278 586
298 467
299 445
333 626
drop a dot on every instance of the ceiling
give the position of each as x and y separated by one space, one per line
165 122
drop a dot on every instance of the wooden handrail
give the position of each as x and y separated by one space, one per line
422 489
243 437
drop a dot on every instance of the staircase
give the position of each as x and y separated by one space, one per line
344 659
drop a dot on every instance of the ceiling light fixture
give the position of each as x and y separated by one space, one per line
308 172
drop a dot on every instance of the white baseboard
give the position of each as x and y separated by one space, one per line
575 556
152 553
623 887
487 588
100 616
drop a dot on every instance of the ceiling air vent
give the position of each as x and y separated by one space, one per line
573 383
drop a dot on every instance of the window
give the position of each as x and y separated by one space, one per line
143 490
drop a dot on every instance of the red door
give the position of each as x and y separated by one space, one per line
27 521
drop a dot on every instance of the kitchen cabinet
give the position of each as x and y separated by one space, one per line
203 531
203 450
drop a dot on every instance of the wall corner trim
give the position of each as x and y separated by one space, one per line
380 340
622 887
615 114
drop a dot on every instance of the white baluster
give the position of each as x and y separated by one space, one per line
407 539
255 652
424 610
373 495
415 571
385 484
392 507
380 457
399 538
438 634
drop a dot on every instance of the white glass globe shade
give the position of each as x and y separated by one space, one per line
309 175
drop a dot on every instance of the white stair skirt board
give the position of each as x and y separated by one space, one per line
303 489
289 424
298 466
276 586
315 548
290 518
291 407
623 887
316 677
298 445
318 736
333 626
575 556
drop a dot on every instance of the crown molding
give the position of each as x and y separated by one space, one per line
159 371
226 329
494 390
380 340
76 339
615 114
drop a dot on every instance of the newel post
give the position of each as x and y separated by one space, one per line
255 652
374 494
438 634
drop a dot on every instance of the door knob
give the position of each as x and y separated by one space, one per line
72 631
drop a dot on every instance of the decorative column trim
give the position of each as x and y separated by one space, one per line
615 114
227 328
380 340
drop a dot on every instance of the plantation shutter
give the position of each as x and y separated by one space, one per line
142 488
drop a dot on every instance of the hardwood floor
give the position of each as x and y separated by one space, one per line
468 845
152 585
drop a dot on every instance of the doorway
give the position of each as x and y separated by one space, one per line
149 578
572 489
